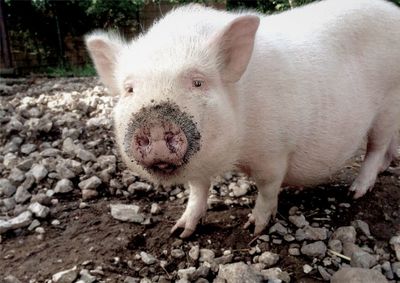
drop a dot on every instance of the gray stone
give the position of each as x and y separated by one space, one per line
16 176
14 125
294 251
194 252
64 172
90 184
39 210
10 279
298 220
357 275
187 273
387 270
155 208
345 234
275 273
139 187
9 203
28 148
177 253
69 147
106 161
28 182
335 245
66 276
324 274
395 244
268 258
85 155
35 223
396 269
39 172
361 226
238 190
50 152
7 189
312 234
10 160
22 220
89 194
126 212
206 255
25 164
129 279
147 258
349 248
22 195
317 249
362 259
64 186
86 277
239 272
279 229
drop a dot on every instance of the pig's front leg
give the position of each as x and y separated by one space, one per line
269 185
195 209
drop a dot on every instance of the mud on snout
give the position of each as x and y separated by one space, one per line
161 139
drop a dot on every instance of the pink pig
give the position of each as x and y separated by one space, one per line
287 98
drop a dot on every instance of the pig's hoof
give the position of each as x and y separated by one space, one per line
359 189
188 227
259 222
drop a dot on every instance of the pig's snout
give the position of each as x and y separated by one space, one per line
160 147
161 138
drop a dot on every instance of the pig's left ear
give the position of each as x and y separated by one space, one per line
104 49
235 46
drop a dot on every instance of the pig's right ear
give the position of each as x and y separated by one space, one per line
235 45
104 49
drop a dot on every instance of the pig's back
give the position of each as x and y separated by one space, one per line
318 77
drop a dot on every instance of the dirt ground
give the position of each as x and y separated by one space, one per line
91 234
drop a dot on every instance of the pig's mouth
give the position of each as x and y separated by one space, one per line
164 168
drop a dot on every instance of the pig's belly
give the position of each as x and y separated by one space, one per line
316 164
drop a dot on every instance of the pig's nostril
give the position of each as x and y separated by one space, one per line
143 141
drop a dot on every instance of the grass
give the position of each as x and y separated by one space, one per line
71 71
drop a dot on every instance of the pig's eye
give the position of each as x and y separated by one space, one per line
129 89
197 83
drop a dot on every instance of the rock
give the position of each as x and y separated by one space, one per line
202 271
274 274
129 279
311 233
22 195
186 273
139 187
294 251
177 253
22 220
307 268
10 160
86 277
279 229
14 125
324 274
237 190
28 183
194 252
106 161
10 279
206 255
35 223
387 270
268 258
126 212
358 275
64 172
155 208
63 186
85 155
317 249
147 258
39 172
350 248
345 234
16 176
69 147
7 189
66 276
39 210
396 269
239 272
335 245
362 227
42 198
395 244
25 164
90 184
50 152
298 220
362 259
8 204
28 148
89 194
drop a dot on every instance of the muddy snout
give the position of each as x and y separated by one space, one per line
161 138
160 147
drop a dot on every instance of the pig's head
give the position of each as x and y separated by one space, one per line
175 119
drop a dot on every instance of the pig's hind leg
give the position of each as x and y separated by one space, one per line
381 150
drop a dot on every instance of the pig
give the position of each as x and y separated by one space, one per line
286 98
